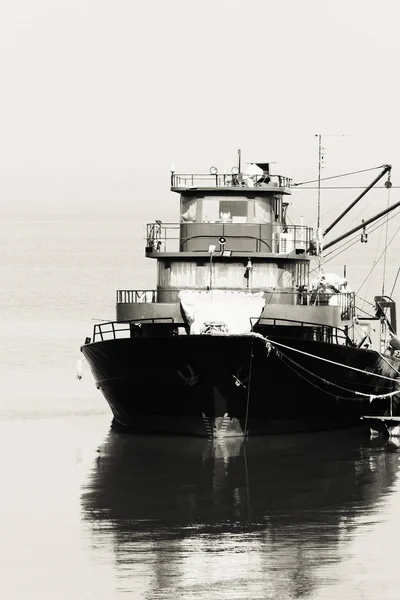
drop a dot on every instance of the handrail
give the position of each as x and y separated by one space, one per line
229 180
139 296
343 300
254 321
160 236
136 296
101 331
227 237
113 330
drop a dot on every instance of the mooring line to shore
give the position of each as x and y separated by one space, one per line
332 362
371 397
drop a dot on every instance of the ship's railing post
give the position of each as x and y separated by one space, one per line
136 296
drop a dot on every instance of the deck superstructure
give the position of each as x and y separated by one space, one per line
233 234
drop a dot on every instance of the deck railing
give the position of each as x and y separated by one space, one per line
136 296
166 237
321 333
344 300
318 297
228 180
113 330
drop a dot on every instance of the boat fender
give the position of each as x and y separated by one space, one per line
79 369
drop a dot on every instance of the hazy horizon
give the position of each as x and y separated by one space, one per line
100 98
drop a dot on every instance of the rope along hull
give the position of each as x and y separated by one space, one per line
221 386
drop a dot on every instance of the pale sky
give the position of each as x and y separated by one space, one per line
100 97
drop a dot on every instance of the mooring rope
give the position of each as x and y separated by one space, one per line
386 360
336 385
318 387
332 362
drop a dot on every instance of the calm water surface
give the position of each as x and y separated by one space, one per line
86 512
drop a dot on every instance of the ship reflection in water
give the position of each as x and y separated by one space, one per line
277 517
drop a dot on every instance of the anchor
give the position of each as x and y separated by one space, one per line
190 379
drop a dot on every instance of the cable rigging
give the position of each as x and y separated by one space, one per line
337 176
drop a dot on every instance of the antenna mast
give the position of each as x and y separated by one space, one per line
320 162
320 157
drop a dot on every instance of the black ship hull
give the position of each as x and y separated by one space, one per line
220 386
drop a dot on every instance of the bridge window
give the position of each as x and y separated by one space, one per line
262 210
188 209
215 210
210 210
236 209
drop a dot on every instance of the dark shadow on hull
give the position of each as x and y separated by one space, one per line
235 386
